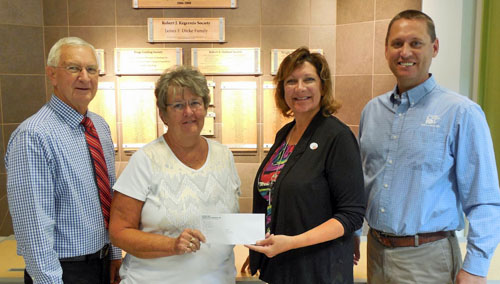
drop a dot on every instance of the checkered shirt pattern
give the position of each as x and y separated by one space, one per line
52 194
427 159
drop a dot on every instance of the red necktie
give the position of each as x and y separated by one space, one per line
100 168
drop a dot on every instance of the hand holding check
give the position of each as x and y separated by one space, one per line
189 241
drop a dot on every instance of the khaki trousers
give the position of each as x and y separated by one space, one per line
436 262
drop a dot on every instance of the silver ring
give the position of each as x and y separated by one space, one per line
192 240
191 245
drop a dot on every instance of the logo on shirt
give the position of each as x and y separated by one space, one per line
431 120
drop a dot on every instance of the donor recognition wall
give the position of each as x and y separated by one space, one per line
242 113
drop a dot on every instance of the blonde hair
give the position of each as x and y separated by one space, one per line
179 77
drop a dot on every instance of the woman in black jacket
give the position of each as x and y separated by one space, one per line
310 185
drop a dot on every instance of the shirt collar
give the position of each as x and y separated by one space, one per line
67 113
415 94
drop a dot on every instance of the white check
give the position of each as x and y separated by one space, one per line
233 229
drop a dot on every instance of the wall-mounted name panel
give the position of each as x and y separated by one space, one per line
186 30
226 61
146 61
139 114
239 115
184 4
277 56
273 119
101 61
104 104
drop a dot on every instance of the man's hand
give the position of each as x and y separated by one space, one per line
464 277
357 254
114 269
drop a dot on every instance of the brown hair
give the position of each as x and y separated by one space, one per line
295 59
414 15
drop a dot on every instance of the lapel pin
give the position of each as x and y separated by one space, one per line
313 146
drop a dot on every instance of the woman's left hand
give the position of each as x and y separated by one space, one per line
273 245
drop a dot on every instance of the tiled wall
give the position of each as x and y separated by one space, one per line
351 33
361 71
22 80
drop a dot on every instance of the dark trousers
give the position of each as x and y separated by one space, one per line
82 272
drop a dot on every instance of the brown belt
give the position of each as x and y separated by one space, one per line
408 241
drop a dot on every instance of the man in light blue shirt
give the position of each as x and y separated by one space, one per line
58 221
428 158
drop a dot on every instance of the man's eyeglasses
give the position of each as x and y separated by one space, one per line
181 106
76 69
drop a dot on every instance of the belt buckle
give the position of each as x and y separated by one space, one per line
104 251
416 240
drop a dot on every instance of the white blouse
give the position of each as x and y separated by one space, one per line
175 196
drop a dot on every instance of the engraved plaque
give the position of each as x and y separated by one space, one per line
186 30
273 119
104 104
101 61
227 61
208 126
138 113
211 87
239 115
184 4
277 56
146 61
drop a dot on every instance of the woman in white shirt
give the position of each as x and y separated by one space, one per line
167 185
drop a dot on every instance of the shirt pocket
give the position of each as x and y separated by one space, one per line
426 148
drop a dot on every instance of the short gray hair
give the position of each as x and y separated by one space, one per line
181 77
55 51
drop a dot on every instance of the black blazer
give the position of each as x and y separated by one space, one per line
316 184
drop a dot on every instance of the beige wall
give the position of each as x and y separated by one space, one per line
22 80
351 33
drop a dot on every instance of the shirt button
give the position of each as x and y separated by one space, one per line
390 162
400 114
382 210
386 185
394 136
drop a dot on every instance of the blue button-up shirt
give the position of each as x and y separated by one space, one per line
51 189
428 157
